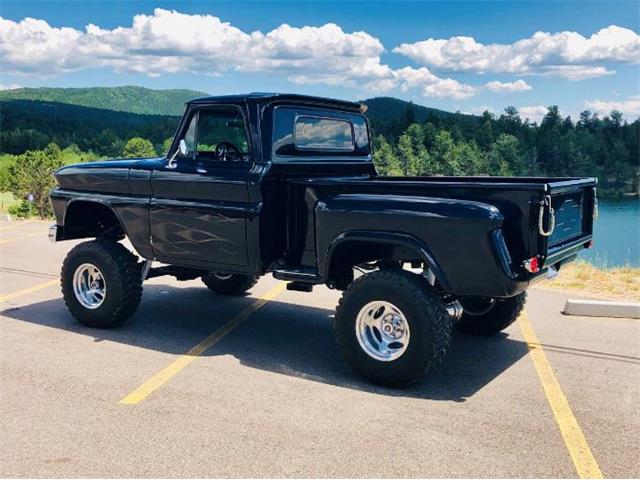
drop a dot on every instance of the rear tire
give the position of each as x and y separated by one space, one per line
229 284
492 317
418 318
101 283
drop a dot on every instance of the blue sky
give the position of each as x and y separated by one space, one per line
453 55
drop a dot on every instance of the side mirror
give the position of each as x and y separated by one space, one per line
182 147
182 150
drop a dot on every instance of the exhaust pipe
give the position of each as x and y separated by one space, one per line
455 310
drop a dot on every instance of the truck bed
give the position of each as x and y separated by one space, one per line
522 202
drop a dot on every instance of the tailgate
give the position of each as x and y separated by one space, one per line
569 221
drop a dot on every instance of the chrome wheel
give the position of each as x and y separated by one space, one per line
382 331
89 286
222 276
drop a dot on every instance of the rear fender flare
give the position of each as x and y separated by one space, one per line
386 238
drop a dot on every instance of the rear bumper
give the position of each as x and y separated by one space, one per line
54 233
515 279
570 249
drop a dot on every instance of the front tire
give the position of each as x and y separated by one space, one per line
101 283
489 316
392 327
229 284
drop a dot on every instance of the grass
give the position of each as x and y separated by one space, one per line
582 278
6 200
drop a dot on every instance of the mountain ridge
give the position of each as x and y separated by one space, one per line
148 101
128 98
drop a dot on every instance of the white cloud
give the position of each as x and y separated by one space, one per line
575 72
630 108
508 87
542 53
172 42
534 113
9 86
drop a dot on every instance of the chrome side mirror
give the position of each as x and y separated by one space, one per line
182 150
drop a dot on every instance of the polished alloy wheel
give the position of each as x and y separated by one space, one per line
89 286
382 331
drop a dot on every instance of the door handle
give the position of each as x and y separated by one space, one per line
201 170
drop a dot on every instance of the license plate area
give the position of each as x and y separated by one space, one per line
569 212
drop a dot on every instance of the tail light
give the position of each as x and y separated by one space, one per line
532 265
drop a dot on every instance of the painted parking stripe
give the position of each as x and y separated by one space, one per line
26 291
21 237
164 375
572 435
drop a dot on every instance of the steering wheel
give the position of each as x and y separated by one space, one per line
224 148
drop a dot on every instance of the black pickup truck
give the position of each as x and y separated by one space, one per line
285 184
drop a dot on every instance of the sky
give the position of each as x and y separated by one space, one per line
455 55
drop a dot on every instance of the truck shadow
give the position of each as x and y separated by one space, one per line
285 338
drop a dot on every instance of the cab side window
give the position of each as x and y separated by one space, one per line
220 135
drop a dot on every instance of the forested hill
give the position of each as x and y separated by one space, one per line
391 116
394 108
409 139
32 125
124 99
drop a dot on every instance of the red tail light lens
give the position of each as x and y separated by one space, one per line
532 265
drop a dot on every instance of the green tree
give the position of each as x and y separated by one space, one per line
504 157
31 177
444 161
408 117
138 147
166 145
469 157
385 157
485 135
414 156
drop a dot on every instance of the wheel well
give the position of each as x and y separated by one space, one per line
348 254
384 249
91 219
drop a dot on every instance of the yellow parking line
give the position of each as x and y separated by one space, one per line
42 286
15 239
164 375
572 435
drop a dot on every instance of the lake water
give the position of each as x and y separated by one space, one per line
616 235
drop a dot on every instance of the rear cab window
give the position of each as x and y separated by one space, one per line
317 134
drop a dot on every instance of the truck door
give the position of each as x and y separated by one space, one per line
200 205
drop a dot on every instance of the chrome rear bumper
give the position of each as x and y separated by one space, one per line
53 233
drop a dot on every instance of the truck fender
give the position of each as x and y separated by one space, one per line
386 238
90 203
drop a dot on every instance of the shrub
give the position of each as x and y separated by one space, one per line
31 177
138 147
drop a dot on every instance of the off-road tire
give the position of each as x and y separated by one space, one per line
236 284
123 279
429 325
504 312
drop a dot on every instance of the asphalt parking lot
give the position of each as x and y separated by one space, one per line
555 396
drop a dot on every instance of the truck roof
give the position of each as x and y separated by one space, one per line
279 97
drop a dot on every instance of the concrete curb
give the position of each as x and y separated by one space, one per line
600 308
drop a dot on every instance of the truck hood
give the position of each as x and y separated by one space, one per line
110 176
